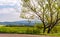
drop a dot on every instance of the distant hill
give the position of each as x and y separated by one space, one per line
22 22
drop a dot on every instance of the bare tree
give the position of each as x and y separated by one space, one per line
45 10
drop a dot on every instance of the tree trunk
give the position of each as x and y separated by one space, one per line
44 30
49 29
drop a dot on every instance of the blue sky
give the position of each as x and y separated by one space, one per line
9 10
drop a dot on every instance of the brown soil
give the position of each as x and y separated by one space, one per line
23 35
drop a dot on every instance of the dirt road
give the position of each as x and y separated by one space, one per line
23 35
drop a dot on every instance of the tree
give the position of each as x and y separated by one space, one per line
48 11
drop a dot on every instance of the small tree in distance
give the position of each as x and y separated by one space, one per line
48 11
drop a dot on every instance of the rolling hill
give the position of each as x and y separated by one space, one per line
22 22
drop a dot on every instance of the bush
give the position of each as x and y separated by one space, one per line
54 30
28 31
33 31
36 31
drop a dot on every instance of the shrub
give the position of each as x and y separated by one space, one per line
54 30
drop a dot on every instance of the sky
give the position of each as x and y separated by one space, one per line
9 10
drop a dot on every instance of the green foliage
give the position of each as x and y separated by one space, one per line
33 31
37 29
54 30
38 25
22 30
12 29
48 11
26 0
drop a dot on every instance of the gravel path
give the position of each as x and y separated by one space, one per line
23 35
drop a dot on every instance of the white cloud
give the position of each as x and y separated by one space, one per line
2 2
11 13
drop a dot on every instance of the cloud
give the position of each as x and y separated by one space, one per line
4 2
10 10
9 14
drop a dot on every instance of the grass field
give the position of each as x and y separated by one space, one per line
55 31
14 29
28 30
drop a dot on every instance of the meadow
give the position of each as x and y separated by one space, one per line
29 30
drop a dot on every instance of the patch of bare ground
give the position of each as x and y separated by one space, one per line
24 35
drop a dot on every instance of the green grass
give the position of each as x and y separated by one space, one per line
28 30
19 30
13 29
55 34
55 31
